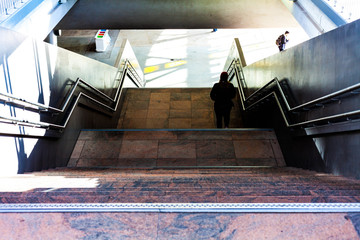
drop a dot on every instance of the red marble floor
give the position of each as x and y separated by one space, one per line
180 226
249 185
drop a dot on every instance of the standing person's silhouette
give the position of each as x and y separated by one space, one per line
222 93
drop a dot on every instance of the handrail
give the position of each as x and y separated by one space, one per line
136 75
326 98
43 107
127 66
329 96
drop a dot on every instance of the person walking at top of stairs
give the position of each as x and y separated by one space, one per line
222 93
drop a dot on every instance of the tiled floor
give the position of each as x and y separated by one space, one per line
183 57
83 42
173 108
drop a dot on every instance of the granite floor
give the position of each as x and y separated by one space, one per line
182 226
181 185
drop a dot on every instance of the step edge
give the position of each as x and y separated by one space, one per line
182 207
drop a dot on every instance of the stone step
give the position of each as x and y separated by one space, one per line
169 197
173 183
232 181
243 185
176 148
241 191
201 173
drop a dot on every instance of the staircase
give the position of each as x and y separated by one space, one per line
166 151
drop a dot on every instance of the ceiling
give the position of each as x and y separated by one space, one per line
177 14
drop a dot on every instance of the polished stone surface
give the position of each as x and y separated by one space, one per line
172 108
158 148
180 184
182 226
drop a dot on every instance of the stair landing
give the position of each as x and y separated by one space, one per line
172 108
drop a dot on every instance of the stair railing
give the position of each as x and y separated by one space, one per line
235 69
126 69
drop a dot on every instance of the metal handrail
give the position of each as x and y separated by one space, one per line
7 7
326 98
116 99
135 74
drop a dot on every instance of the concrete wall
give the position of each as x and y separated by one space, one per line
312 19
37 18
320 66
42 73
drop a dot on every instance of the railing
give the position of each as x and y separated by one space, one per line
137 80
347 9
278 94
125 70
9 6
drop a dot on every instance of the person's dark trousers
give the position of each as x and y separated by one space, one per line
281 47
221 113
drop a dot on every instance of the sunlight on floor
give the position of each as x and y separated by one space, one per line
195 58
21 183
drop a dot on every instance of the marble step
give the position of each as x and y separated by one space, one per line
228 182
84 171
253 192
180 197
269 174
132 186
177 148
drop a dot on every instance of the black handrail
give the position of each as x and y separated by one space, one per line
43 108
329 97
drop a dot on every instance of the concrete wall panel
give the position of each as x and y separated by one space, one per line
42 73
318 67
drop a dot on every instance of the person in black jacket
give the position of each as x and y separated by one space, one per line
222 93
284 38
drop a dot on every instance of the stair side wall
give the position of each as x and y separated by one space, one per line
313 69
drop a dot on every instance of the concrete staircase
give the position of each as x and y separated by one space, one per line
166 150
